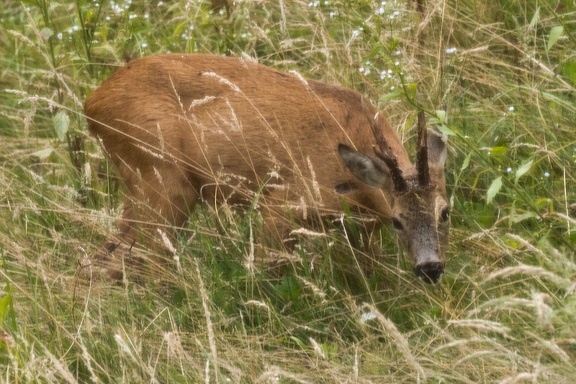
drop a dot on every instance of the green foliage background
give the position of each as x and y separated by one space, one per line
506 308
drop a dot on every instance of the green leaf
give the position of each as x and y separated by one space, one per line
445 130
466 162
393 44
42 154
392 96
88 16
525 216
545 203
523 169
569 71
61 124
555 34
7 313
494 189
5 303
498 151
535 18
299 342
441 115
46 33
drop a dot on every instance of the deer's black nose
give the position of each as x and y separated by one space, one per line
429 272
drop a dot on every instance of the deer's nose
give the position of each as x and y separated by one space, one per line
429 272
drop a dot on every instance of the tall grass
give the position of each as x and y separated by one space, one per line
504 311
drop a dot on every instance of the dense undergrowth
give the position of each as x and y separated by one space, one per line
505 72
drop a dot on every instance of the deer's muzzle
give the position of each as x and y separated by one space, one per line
429 272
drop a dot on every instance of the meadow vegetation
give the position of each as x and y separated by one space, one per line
499 78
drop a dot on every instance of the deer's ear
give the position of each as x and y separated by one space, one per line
437 152
369 170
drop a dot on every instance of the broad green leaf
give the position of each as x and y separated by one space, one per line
535 18
5 302
494 189
46 33
61 123
555 34
88 16
104 33
466 162
545 203
441 115
300 343
7 313
392 96
518 218
498 151
445 130
523 169
43 154
569 71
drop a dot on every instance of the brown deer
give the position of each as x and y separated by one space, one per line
186 128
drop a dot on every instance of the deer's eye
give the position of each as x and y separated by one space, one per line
397 224
445 215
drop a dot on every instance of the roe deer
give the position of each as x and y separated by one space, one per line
182 128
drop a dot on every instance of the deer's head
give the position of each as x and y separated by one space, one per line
417 196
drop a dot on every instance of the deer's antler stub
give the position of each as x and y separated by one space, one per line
384 153
422 153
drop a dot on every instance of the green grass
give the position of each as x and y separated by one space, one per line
503 313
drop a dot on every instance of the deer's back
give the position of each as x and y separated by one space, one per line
221 115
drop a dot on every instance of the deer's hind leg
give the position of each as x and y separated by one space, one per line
159 197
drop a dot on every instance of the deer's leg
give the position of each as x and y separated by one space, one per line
277 241
158 200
